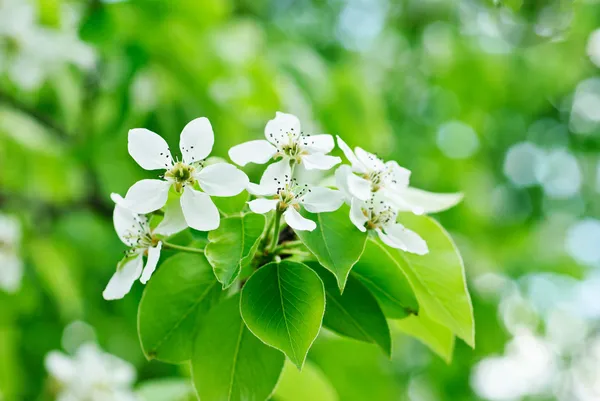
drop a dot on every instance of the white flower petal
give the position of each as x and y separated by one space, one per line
263 206
341 180
399 237
357 165
121 282
151 262
278 128
10 229
320 143
11 272
322 200
146 196
400 176
272 177
222 179
397 200
428 202
297 222
174 221
359 187
357 216
60 366
196 140
126 223
369 160
149 149
259 152
199 210
319 161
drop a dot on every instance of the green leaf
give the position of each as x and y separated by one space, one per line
336 242
355 313
231 205
174 303
229 362
233 245
166 389
283 305
380 273
437 337
438 278
308 384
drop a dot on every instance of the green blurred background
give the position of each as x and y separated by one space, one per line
500 100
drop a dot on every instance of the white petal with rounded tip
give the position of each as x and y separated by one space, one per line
359 187
319 161
60 366
341 180
11 272
275 175
222 179
320 143
149 149
263 206
121 282
369 160
322 200
400 177
127 225
357 217
397 236
357 165
151 262
297 222
277 129
257 190
174 221
428 202
116 198
196 140
146 196
199 210
259 152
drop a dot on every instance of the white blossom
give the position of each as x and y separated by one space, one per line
34 52
369 174
195 208
287 196
286 141
11 266
92 375
134 231
378 215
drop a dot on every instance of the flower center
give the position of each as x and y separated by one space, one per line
139 238
180 175
378 214
290 194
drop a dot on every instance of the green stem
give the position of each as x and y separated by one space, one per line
265 240
276 228
167 245
288 245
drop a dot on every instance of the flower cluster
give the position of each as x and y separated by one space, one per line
91 374
376 191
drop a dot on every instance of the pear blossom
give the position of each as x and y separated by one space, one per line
195 208
369 174
378 215
91 374
288 196
11 266
134 231
285 140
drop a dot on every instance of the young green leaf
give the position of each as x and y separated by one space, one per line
380 273
355 313
336 242
308 384
438 277
174 303
231 205
283 305
437 337
233 245
229 362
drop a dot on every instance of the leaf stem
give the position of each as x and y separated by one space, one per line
276 228
167 245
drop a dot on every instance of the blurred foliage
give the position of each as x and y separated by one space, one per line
388 75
